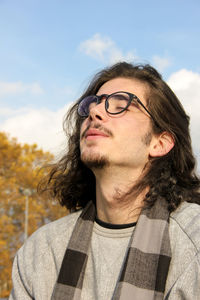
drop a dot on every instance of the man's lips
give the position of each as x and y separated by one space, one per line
95 133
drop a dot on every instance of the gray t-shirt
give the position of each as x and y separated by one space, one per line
106 255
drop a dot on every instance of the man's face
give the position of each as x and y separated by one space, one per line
117 140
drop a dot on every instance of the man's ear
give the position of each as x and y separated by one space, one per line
161 144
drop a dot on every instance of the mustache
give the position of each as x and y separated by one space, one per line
97 126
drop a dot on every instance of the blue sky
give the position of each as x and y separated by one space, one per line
50 49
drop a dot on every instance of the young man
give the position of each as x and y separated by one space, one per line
129 176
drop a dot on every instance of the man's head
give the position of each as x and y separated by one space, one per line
118 128
156 133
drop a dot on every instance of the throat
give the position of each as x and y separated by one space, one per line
118 200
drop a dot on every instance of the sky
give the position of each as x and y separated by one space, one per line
50 49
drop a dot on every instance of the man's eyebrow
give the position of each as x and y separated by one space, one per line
102 95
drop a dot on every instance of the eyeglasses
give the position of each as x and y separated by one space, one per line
115 103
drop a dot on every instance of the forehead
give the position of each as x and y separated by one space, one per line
130 85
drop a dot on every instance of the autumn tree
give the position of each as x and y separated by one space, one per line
20 171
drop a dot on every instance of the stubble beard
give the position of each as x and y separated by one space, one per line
95 161
146 139
98 161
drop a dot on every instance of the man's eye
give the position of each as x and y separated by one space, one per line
120 107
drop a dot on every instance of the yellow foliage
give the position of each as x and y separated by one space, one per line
20 170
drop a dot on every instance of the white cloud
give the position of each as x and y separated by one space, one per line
186 85
42 126
185 80
102 48
5 111
161 63
10 88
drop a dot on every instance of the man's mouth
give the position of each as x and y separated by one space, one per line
94 133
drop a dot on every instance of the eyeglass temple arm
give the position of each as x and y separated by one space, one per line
138 100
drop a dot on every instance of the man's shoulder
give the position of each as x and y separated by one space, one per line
62 223
185 222
58 227
50 238
38 261
184 229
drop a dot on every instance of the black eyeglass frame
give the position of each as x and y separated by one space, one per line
106 96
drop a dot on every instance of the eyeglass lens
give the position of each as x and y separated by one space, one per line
114 104
117 102
86 104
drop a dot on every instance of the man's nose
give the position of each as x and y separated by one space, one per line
98 111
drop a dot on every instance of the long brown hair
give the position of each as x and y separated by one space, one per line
171 177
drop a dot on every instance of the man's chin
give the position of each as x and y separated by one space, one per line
98 162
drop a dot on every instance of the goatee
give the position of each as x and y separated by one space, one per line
98 162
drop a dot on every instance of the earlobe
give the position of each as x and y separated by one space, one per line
161 144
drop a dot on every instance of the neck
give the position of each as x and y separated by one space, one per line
116 201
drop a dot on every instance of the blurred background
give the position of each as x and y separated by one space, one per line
49 51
